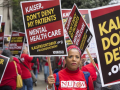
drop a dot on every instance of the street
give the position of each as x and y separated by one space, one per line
41 85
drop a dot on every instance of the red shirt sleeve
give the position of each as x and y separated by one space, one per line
59 63
29 59
84 69
90 83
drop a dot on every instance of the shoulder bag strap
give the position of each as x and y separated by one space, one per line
24 64
15 67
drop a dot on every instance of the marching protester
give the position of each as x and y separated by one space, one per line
84 62
46 68
61 63
25 64
90 68
71 74
10 75
6 44
95 77
35 68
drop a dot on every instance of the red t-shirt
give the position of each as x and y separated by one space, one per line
10 76
90 68
26 59
46 64
61 62
73 80
18 65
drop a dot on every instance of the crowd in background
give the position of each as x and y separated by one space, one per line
37 64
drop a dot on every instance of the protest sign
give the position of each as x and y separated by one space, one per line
2 35
16 43
85 15
3 64
106 28
44 28
78 30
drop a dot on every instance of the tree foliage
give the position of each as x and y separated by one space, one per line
82 4
17 23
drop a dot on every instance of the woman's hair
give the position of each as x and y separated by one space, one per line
73 46
7 53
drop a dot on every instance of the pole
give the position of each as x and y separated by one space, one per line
49 64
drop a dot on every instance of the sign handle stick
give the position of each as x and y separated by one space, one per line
92 60
49 64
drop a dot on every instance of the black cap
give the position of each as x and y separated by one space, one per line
7 53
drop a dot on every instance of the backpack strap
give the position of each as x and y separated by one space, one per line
86 74
57 80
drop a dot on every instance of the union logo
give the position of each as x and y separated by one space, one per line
78 84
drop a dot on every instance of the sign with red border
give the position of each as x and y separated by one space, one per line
77 29
106 28
44 28
2 30
16 43
3 64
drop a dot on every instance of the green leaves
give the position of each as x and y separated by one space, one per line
68 4
83 4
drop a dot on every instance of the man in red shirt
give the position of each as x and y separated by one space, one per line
26 61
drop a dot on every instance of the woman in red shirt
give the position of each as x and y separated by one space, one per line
10 75
71 78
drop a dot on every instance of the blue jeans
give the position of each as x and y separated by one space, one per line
27 84
46 72
40 67
36 73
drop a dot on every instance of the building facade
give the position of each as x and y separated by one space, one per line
6 12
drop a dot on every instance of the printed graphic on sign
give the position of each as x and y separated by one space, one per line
106 26
2 34
44 28
16 43
78 30
3 64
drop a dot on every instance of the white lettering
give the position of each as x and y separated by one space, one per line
73 84
69 21
33 7
54 33
37 31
